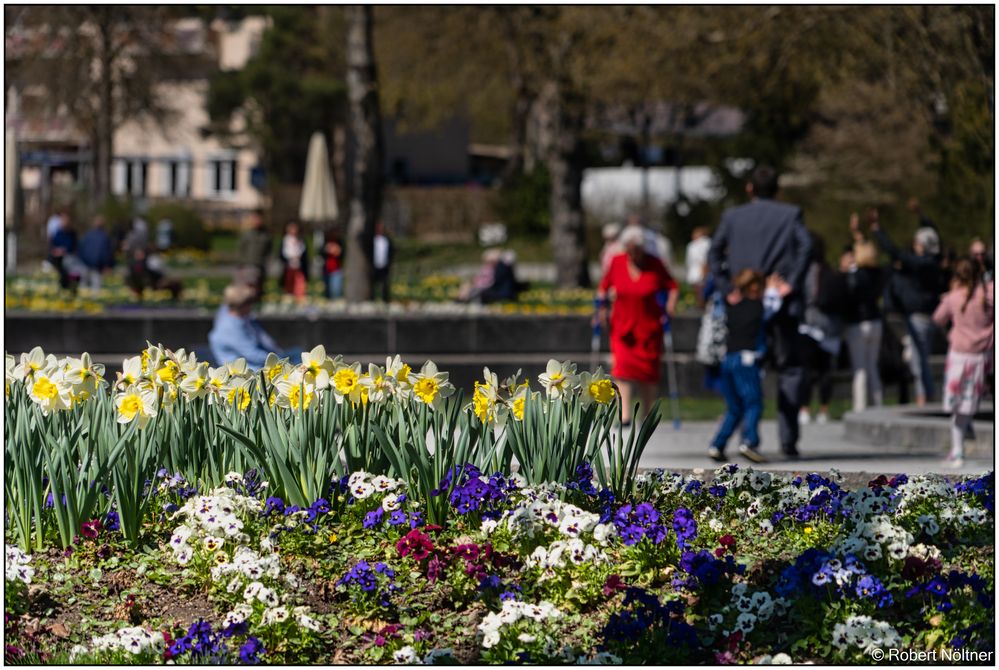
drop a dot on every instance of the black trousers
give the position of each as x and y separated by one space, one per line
380 283
788 351
818 373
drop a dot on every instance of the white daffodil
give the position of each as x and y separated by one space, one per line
379 385
394 367
430 386
32 362
195 382
295 392
83 375
238 368
136 403
559 379
318 368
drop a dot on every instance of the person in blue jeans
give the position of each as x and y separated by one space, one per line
747 309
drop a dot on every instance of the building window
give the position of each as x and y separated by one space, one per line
222 176
130 176
177 177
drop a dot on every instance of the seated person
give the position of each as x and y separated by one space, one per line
484 279
147 270
505 286
238 334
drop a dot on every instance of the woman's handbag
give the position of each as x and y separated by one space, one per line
711 336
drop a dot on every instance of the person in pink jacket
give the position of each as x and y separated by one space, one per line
969 307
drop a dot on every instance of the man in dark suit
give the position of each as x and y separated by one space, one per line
770 237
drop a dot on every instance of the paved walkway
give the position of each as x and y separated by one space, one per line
821 447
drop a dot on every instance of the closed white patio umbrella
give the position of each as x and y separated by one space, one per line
318 204
318 192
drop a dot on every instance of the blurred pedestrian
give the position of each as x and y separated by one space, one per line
915 289
96 253
969 306
54 222
137 240
296 264
254 251
612 245
633 283
236 333
864 323
825 298
696 260
382 252
770 237
146 269
747 309
656 244
164 235
332 266
980 256
62 245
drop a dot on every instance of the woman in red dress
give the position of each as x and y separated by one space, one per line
634 281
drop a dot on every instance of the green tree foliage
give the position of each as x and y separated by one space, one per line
290 88
103 65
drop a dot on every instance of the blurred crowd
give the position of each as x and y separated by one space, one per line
85 261
771 295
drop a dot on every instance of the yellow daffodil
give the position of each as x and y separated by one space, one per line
49 390
517 407
596 387
347 383
239 396
274 367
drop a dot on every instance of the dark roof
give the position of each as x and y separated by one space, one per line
702 120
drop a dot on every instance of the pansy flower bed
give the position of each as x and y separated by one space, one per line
316 513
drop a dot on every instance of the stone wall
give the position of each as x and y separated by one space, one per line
460 344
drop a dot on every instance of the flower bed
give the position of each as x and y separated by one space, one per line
298 516
41 293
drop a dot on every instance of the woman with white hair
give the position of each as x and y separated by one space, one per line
633 282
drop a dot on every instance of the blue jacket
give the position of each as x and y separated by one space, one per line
233 337
763 235
96 250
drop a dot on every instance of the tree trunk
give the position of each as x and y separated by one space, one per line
103 149
366 168
520 112
561 136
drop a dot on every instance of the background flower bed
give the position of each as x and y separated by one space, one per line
470 565
41 293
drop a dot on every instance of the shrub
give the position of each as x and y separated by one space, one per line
188 229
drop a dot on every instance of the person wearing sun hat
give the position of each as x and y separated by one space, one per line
236 333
